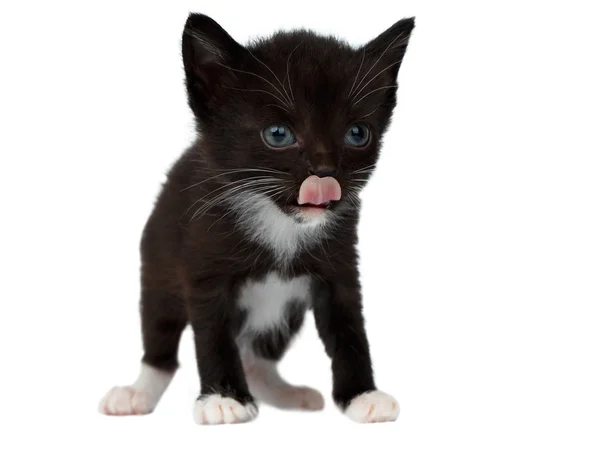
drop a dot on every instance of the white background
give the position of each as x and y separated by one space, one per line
480 238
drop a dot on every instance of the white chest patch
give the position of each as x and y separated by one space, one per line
265 301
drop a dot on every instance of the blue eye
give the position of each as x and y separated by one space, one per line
278 136
357 135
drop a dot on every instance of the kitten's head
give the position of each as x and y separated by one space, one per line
296 117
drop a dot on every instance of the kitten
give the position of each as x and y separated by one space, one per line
257 222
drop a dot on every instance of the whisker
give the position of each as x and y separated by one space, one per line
276 105
224 196
241 215
375 77
371 113
309 253
273 192
326 254
244 169
382 54
240 182
260 187
267 169
367 168
287 73
266 66
262 91
231 172
358 72
287 199
373 91
354 200
256 75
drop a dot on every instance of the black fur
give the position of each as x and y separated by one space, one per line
195 258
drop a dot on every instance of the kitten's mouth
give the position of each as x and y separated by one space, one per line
314 205
311 211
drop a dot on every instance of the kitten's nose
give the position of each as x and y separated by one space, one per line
322 161
323 170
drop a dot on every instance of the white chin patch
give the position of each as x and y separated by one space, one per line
286 234
374 406
216 409
313 215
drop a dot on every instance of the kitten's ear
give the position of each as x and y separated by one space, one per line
206 49
387 50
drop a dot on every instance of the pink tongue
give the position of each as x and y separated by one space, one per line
318 191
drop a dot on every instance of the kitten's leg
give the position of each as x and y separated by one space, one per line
163 320
224 397
260 355
267 385
338 315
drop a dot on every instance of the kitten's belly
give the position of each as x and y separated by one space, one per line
267 303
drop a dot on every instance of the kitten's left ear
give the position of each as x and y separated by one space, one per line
207 50
388 49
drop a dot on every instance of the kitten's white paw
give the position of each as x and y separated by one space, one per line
216 409
299 397
373 406
124 401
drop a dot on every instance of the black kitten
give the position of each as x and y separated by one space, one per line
258 221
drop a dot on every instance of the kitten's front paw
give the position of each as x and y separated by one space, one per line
216 409
125 400
373 406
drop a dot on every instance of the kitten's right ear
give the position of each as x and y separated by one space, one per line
207 50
